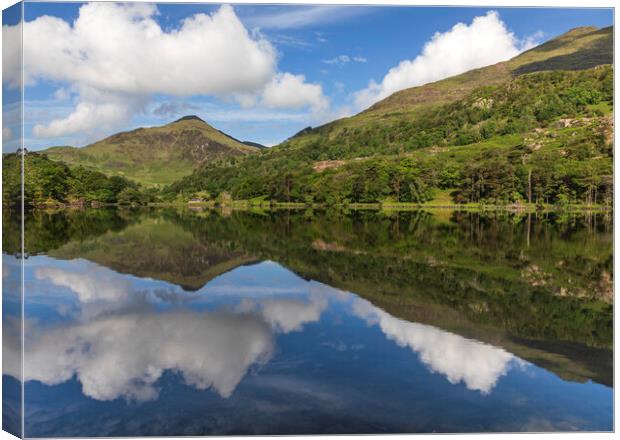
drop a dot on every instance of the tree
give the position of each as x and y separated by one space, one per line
129 196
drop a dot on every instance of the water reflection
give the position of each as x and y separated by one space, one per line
125 354
11 344
119 343
459 359
11 309
287 315
349 336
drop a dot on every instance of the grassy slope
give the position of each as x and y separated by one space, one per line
580 48
155 155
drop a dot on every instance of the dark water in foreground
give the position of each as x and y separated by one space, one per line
193 323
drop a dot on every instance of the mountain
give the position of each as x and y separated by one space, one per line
537 128
156 248
254 144
578 49
248 143
155 155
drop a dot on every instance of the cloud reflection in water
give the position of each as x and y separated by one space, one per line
121 344
476 364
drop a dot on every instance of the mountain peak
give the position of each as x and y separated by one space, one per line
190 118
581 30
156 155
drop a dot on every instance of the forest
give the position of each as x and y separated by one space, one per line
49 183
540 139
543 138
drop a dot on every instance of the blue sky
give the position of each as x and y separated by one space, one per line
312 64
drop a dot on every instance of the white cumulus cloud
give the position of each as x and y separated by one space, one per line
123 350
99 290
97 116
292 91
286 91
121 47
11 55
116 57
485 41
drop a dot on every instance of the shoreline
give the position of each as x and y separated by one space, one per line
386 207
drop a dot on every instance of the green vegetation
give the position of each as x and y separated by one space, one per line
155 156
50 229
542 138
158 249
48 183
535 131
578 49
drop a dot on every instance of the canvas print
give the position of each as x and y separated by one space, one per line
238 219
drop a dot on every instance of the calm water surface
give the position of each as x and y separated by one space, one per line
192 323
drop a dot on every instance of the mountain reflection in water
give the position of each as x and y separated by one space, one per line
353 335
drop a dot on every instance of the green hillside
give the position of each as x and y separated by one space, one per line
537 128
580 48
155 155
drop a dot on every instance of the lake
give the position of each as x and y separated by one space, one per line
206 322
